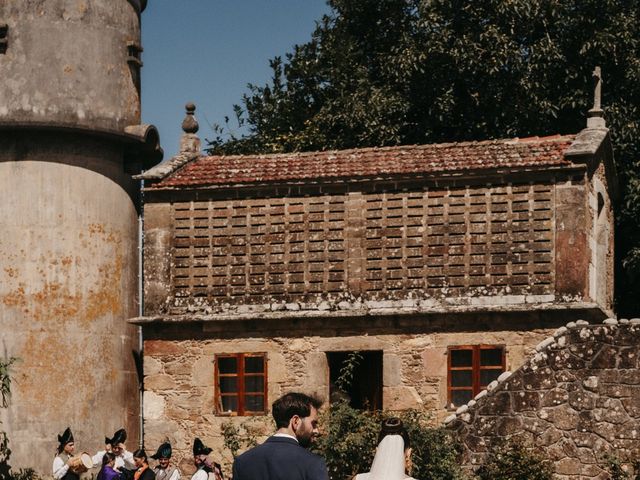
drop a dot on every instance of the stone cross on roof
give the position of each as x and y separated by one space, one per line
596 114
597 94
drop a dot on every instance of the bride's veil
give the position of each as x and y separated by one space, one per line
388 464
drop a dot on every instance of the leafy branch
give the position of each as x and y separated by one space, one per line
347 371
5 381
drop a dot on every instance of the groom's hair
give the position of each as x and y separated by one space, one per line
293 404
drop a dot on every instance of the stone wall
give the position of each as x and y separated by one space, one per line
578 398
179 401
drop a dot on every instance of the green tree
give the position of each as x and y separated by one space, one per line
391 72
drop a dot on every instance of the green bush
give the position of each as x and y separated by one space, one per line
350 438
6 473
23 474
515 461
618 469
436 453
242 436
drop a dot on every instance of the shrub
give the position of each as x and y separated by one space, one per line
436 453
348 440
5 452
241 436
515 461
619 469
23 474
351 436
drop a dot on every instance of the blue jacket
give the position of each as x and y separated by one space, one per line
279 458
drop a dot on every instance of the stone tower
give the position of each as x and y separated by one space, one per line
70 141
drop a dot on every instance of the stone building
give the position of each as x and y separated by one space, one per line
442 265
70 139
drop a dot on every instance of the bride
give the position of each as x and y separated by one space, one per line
393 455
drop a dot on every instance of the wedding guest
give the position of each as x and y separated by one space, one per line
115 445
203 464
143 472
62 461
108 472
284 455
164 470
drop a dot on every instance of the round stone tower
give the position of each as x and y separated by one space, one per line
70 141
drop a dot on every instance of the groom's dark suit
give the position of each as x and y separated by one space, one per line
279 458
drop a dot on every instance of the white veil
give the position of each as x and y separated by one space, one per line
388 464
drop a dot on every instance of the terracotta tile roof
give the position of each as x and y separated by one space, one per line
370 162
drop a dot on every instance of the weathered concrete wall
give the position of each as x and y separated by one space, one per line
66 63
578 398
179 400
68 277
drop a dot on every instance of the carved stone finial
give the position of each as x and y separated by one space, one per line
596 114
190 124
190 143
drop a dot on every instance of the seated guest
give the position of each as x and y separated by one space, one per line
164 470
107 472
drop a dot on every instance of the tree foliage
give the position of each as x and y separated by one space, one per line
390 72
6 473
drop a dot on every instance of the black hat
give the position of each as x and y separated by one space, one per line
164 451
119 437
66 437
200 449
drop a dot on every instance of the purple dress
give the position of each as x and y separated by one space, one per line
108 473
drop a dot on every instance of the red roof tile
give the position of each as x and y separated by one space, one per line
370 162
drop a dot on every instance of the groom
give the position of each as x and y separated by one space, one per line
284 456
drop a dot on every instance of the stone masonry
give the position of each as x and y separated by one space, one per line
179 401
577 398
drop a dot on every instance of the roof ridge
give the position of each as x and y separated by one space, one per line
389 148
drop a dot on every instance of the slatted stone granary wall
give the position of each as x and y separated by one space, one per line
420 243
247 250
451 242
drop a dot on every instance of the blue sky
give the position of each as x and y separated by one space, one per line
207 51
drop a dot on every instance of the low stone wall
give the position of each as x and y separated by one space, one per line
577 398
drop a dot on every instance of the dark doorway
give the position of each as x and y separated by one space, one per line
356 376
